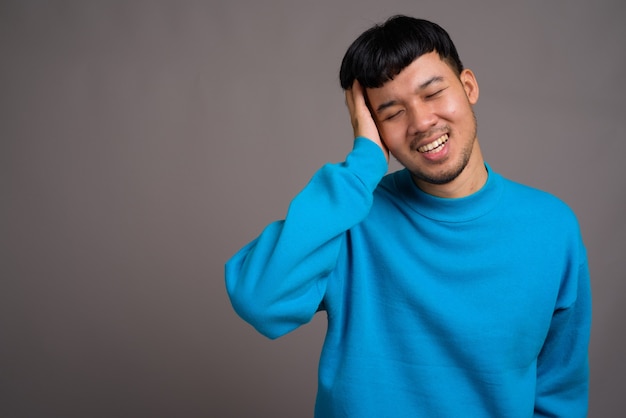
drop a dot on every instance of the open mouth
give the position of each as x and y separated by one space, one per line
434 146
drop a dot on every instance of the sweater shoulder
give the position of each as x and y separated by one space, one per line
521 197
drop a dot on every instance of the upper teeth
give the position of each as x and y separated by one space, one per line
435 144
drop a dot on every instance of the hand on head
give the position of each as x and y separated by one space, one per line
362 121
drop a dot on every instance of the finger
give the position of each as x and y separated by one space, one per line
359 104
349 99
352 109
357 91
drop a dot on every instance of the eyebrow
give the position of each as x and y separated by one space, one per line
425 84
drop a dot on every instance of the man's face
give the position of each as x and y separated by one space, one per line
425 118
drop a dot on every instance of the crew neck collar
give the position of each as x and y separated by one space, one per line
450 209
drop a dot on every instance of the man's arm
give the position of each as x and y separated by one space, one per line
562 366
277 282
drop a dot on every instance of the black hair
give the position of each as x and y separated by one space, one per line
383 51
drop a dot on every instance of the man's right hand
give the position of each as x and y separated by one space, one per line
362 121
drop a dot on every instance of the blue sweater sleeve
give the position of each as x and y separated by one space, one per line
562 365
276 282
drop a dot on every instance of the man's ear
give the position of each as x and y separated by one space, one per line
470 85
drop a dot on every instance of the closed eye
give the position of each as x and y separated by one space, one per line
435 94
394 115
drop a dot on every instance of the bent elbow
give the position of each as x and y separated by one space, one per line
271 316
250 309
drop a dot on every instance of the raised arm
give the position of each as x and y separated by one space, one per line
277 281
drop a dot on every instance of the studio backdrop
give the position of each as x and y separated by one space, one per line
142 143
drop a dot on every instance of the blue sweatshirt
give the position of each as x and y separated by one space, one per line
471 307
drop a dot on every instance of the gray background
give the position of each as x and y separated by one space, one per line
143 142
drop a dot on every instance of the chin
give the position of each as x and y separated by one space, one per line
440 177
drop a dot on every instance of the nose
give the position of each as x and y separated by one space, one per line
421 117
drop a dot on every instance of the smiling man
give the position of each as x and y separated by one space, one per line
425 116
449 290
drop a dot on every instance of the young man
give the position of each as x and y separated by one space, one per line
450 291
